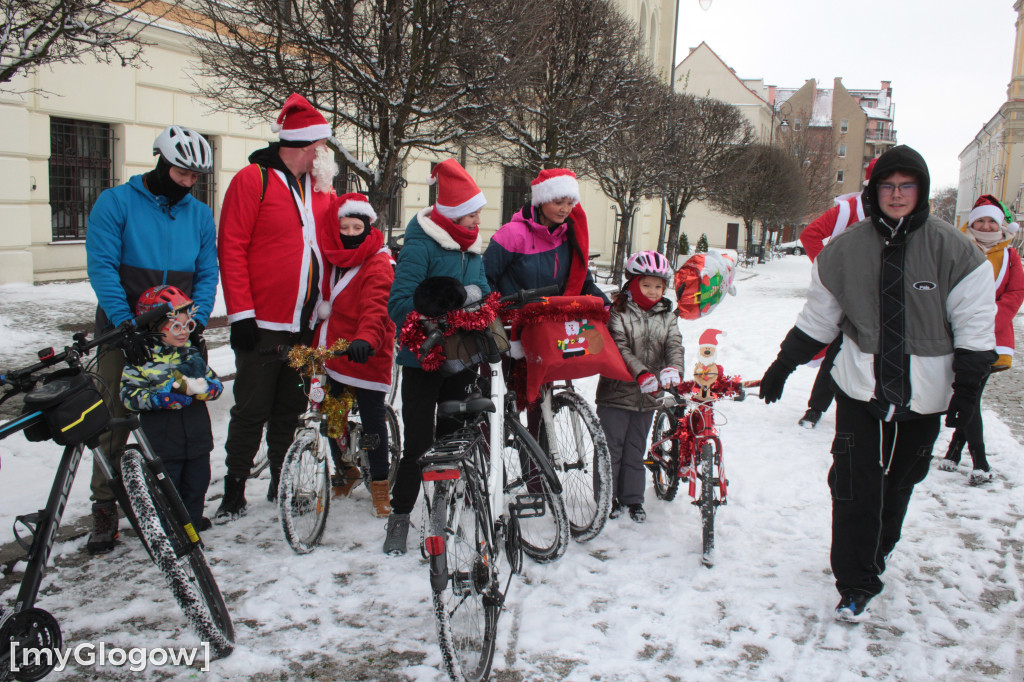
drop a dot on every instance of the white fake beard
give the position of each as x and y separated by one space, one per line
325 169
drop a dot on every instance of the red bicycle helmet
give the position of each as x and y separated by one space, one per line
165 293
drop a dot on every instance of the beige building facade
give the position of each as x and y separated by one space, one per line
993 162
79 128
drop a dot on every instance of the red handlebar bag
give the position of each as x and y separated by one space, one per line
566 337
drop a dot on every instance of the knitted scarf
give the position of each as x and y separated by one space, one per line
463 236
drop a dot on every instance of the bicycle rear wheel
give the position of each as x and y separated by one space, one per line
303 496
583 464
175 548
466 591
664 473
543 523
261 461
708 502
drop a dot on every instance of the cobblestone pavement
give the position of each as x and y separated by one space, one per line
1005 391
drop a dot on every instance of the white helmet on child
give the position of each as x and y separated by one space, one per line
185 149
649 263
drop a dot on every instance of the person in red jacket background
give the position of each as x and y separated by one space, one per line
991 227
271 268
849 209
354 306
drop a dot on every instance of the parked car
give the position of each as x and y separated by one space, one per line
792 248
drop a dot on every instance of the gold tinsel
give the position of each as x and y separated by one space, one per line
310 361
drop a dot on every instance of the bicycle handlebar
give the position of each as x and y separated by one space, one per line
81 346
525 296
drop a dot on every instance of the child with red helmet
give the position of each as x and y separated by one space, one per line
646 332
170 392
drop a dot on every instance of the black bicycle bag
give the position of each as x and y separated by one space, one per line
73 409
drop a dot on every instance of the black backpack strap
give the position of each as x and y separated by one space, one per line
265 176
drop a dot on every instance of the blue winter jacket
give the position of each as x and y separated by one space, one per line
137 240
429 251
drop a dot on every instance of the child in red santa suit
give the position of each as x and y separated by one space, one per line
646 331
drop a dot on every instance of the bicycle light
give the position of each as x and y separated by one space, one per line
441 474
434 544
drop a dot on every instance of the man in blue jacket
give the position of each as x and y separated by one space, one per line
147 232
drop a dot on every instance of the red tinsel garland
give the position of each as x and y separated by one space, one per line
413 335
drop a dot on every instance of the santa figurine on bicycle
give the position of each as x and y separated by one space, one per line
709 381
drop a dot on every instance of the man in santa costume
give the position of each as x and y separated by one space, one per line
849 209
271 268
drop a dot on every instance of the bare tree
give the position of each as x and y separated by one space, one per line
702 132
398 75
760 183
813 149
40 32
564 109
944 204
630 164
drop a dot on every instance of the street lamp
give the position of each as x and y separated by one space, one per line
783 114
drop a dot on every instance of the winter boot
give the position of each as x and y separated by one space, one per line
952 458
233 504
381 498
637 513
104 528
810 418
852 607
616 511
980 477
398 534
342 483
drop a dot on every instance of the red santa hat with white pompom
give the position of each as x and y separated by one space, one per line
554 183
708 346
355 204
299 121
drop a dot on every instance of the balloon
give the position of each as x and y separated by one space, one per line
702 282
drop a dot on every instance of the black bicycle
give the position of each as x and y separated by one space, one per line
66 406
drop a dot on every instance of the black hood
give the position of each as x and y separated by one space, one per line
269 157
900 158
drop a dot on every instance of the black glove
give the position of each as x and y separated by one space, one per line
244 335
359 351
774 380
198 341
961 410
136 351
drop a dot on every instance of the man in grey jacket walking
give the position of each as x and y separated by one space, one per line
915 306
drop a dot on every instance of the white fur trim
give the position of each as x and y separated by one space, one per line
555 188
472 205
275 127
351 208
1013 227
987 211
438 234
321 131
359 383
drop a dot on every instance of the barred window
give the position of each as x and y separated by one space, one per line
432 187
341 179
515 191
205 188
81 166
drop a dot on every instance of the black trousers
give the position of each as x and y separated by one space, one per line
875 466
973 435
421 392
373 416
822 391
267 392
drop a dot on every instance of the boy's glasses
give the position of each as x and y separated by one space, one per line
889 188
177 327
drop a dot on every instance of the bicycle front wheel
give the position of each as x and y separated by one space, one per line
261 461
303 495
175 548
582 462
394 450
543 523
464 578
708 502
664 472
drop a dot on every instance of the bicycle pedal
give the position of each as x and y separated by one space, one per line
528 506
369 441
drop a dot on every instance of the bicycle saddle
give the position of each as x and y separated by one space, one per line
474 404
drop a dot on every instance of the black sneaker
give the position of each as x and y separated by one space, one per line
232 505
637 513
810 418
616 511
852 607
104 528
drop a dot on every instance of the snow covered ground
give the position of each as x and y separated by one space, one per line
633 604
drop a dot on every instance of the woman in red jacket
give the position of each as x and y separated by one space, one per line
991 227
354 306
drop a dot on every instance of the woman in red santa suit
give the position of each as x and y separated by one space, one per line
354 306
990 226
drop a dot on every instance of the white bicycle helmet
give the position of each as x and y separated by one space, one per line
185 149
649 263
